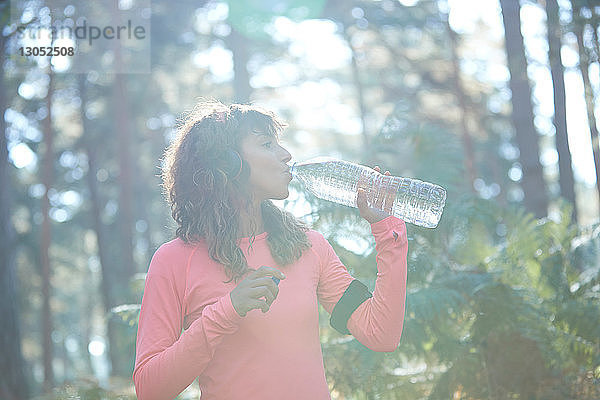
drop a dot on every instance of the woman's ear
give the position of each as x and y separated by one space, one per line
231 163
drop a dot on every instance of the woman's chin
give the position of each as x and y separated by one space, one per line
282 196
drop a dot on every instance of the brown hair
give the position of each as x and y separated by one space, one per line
206 199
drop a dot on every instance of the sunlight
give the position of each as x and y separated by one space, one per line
464 16
97 347
22 156
315 42
218 60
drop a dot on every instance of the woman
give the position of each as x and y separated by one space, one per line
233 300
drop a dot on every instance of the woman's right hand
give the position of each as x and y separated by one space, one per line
257 290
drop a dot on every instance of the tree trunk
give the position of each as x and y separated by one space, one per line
239 46
461 96
47 177
584 67
566 180
361 99
13 385
534 188
108 272
595 23
118 271
125 176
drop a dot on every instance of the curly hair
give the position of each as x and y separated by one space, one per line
206 202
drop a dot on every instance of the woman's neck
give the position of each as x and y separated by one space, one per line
250 217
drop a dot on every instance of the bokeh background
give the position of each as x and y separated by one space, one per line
497 101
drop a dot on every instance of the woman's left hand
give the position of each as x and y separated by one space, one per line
372 215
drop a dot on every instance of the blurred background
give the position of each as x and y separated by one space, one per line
497 101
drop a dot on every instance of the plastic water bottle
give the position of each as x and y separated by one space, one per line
414 201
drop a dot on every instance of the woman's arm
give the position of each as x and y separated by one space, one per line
167 359
377 322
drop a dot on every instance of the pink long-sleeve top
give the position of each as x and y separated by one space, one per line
188 327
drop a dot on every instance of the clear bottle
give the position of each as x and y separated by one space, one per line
414 201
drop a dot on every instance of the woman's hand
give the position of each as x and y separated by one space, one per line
372 215
257 290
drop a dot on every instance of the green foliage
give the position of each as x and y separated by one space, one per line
518 320
250 17
127 313
87 389
499 305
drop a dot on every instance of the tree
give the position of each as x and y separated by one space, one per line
579 26
124 268
109 280
239 46
12 372
46 239
461 96
534 188
566 180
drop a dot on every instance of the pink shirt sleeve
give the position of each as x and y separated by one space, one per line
376 323
167 359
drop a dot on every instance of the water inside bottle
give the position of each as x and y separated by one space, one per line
419 203
412 200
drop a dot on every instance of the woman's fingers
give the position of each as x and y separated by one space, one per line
266 282
250 298
370 211
378 169
268 277
361 198
258 291
262 292
256 304
267 271
262 305
260 297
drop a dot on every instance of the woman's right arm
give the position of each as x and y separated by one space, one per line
167 359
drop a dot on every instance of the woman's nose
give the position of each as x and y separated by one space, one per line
286 155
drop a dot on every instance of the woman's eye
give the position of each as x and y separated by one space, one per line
267 145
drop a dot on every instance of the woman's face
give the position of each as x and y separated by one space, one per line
269 172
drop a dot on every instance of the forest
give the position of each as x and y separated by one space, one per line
498 101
